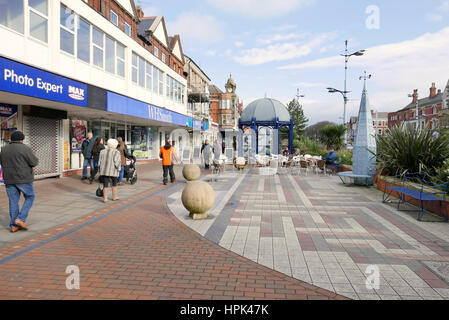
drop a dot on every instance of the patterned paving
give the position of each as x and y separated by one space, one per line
319 231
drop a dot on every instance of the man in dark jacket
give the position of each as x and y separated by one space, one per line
86 149
18 161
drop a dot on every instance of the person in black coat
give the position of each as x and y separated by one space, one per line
98 146
17 162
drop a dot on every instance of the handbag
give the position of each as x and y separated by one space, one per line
99 191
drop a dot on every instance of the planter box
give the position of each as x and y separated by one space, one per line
434 206
344 168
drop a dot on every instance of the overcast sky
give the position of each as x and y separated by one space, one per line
273 47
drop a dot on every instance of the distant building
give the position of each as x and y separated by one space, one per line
380 124
429 110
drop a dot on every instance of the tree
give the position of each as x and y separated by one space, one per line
332 136
299 119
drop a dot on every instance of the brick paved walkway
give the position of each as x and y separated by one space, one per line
322 232
130 249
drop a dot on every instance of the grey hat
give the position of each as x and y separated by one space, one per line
17 136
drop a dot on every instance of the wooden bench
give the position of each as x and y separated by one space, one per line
418 186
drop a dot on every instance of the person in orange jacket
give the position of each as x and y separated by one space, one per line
165 154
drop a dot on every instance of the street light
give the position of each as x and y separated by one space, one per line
416 106
347 56
299 95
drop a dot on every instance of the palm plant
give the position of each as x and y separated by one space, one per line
332 136
402 150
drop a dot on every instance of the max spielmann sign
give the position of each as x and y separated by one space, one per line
22 79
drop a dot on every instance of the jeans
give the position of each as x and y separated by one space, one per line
167 170
13 191
88 162
94 171
122 171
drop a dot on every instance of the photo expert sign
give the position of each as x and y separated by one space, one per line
22 79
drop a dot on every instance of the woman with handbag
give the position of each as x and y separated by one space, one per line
110 164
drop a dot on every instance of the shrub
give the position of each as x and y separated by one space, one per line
403 150
307 146
332 136
344 157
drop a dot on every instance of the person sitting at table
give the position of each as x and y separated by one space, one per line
331 160
286 152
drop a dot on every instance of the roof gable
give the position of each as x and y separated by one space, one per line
176 48
160 31
129 6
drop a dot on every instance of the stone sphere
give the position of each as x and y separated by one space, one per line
198 197
191 172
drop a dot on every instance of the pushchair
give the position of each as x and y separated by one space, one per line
130 172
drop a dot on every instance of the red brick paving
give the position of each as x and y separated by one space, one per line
141 252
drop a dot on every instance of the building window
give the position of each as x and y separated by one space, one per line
168 87
163 57
149 73
38 19
83 40
161 83
114 18
120 51
11 14
110 55
67 33
156 51
134 68
141 72
127 29
155 79
98 47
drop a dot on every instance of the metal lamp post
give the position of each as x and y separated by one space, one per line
347 56
417 109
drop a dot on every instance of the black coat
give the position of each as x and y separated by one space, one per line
17 161
96 155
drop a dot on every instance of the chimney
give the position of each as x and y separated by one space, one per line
140 13
433 91
415 96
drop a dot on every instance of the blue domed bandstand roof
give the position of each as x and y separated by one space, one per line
264 110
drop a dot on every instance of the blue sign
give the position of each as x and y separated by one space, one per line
22 79
7 110
131 107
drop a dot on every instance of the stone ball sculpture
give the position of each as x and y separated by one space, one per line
191 172
198 197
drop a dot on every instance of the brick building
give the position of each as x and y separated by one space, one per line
429 109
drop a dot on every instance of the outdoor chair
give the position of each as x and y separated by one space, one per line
321 166
312 164
304 166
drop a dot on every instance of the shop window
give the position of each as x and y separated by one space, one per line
141 72
120 51
127 29
11 15
98 47
38 19
134 68
83 40
67 34
114 17
110 55
148 75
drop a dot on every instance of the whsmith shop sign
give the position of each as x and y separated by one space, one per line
22 79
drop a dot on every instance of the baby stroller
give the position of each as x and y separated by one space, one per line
130 172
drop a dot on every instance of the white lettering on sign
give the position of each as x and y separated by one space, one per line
76 93
48 87
20 79
158 115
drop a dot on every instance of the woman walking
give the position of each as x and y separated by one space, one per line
98 146
110 163
123 149
206 150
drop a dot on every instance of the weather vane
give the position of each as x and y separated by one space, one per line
365 77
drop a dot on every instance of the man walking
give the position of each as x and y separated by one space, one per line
165 154
18 161
206 150
86 149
